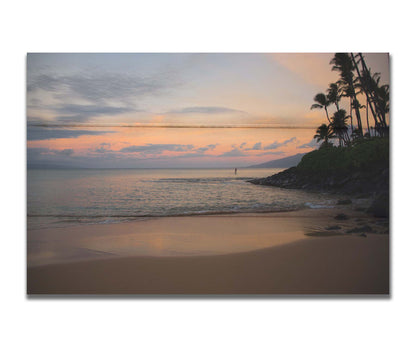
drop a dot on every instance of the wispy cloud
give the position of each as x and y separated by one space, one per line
206 110
99 86
276 144
157 148
236 152
311 144
261 154
38 151
82 113
256 147
43 133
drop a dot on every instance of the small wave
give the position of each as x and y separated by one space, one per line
116 218
316 206
201 180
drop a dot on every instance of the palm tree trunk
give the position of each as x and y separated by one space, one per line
357 114
368 125
368 97
326 111
346 138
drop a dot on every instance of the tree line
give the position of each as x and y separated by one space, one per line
355 78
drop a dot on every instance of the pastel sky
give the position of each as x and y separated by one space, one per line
175 110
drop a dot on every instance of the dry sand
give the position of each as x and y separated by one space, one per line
275 263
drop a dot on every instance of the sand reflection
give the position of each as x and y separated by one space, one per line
173 236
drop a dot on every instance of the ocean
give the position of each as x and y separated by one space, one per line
67 197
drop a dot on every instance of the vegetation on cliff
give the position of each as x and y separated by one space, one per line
369 155
359 169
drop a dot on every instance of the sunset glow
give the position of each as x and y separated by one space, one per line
174 110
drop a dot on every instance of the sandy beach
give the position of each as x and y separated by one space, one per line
238 254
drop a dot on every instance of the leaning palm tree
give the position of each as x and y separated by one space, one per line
378 99
368 82
343 63
383 94
334 93
324 133
321 102
339 126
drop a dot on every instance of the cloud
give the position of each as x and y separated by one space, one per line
67 152
311 144
233 153
206 148
269 153
82 113
98 86
36 152
42 133
157 148
256 147
276 144
104 148
207 110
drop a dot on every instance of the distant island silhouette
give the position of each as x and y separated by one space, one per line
285 162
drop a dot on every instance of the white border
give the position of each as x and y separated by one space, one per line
212 26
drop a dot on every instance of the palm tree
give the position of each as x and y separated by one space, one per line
382 100
377 96
366 114
324 133
339 126
334 94
383 94
343 63
321 102
369 82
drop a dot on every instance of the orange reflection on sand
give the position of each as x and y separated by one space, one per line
169 236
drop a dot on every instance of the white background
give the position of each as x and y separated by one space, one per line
205 26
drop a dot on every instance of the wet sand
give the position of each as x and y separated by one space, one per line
243 254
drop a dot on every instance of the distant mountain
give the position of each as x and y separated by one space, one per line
281 163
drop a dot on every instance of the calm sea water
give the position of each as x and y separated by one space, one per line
58 198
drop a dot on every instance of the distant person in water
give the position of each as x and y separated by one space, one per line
235 171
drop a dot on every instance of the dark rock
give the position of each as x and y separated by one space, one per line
380 205
341 216
344 202
333 227
362 183
363 196
363 229
324 233
383 223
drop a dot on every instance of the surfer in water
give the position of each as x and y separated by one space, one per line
235 171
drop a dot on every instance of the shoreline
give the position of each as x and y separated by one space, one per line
217 254
365 203
88 241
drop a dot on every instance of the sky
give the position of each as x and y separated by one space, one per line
174 110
